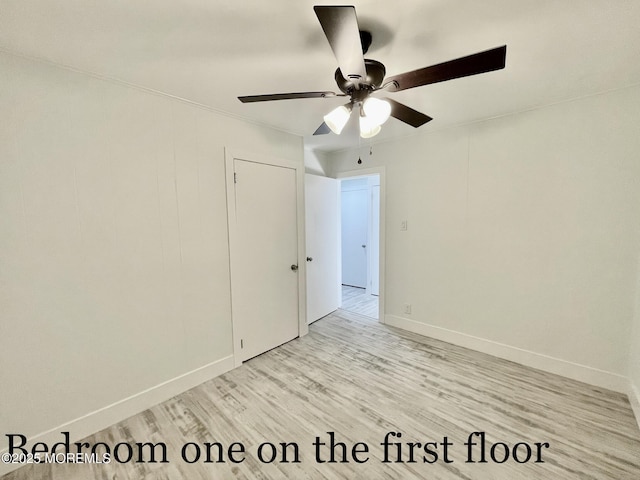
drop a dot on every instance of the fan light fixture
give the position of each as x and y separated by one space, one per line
336 119
373 113
360 78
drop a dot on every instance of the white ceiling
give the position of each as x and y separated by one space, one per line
211 51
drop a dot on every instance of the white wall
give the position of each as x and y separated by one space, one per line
522 234
114 268
315 162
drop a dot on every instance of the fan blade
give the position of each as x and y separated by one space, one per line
482 62
407 114
322 129
340 26
285 96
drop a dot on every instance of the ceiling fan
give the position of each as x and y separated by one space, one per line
362 79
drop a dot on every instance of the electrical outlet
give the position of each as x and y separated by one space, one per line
407 308
403 225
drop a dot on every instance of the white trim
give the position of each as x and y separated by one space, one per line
362 172
365 172
231 229
303 326
249 156
109 415
634 400
230 156
582 373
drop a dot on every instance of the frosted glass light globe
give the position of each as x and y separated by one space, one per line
336 119
377 110
368 128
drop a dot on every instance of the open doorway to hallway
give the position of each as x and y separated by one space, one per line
360 244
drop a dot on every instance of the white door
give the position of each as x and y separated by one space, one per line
322 238
374 243
355 227
264 288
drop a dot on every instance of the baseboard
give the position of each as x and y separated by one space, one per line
634 400
105 417
582 373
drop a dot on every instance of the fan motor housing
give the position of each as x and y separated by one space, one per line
375 76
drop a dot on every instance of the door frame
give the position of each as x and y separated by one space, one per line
234 154
365 172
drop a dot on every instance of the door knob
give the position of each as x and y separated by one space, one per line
364 246
294 267
309 259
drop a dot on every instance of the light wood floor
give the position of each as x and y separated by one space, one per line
357 300
361 379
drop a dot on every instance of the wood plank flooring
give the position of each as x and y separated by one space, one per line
361 380
357 300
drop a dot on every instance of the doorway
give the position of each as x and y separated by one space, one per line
324 258
360 244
